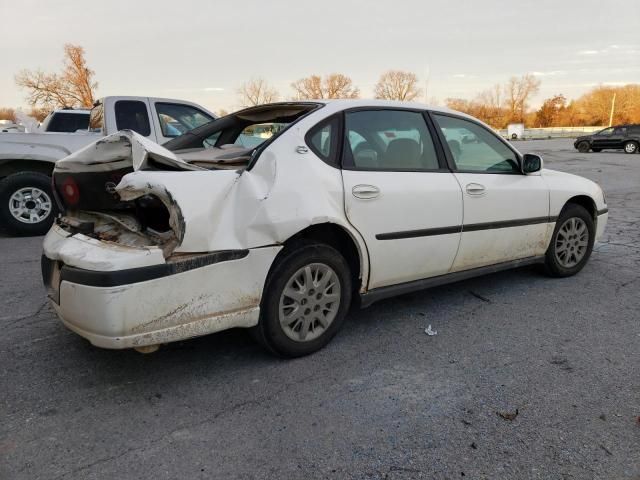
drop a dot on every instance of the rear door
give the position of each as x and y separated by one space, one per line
399 195
618 137
173 119
132 114
506 213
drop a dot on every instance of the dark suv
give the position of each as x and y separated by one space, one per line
621 137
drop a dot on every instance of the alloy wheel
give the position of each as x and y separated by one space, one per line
30 205
630 147
571 242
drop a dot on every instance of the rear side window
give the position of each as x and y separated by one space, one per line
474 148
634 129
323 140
68 122
132 115
392 140
176 119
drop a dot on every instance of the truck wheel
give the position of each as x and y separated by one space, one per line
630 147
26 203
583 147
305 301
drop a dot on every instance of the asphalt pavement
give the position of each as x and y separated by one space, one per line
528 377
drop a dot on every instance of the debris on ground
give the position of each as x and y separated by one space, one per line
606 450
480 297
474 445
508 415
430 332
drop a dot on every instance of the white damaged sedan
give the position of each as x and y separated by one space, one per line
278 217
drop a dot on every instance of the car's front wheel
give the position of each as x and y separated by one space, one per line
583 147
630 147
572 242
26 203
306 298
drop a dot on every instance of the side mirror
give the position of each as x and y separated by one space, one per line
531 163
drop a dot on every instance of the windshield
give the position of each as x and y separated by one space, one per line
247 128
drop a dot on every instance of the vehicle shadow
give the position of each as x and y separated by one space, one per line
231 353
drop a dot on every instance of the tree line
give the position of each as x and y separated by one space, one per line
74 86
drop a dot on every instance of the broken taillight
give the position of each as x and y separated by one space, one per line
70 191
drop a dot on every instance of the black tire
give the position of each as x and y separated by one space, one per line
597 150
631 147
8 187
514 136
583 147
552 263
269 331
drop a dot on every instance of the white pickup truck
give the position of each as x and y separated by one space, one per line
27 159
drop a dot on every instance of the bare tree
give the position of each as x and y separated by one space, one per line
397 85
8 114
255 92
518 91
335 85
73 87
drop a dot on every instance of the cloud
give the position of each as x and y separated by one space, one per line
551 73
459 75
213 89
588 52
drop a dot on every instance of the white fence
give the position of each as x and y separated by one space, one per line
554 132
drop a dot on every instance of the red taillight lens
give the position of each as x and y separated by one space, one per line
70 191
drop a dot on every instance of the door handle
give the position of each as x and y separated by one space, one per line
365 191
476 189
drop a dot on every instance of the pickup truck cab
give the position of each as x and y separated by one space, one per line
27 159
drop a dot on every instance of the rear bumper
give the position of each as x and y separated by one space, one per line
160 303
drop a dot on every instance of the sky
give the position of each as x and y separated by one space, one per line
204 50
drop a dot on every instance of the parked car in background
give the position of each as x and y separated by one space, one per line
27 159
620 137
348 199
10 126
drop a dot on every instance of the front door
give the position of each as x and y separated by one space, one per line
506 213
398 195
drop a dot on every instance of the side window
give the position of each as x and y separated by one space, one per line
620 131
323 140
176 119
606 131
253 135
388 140
476 149
132 115
68 122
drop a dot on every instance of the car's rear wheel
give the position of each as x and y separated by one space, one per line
26 203
583 147
571 243
630 147
306 298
